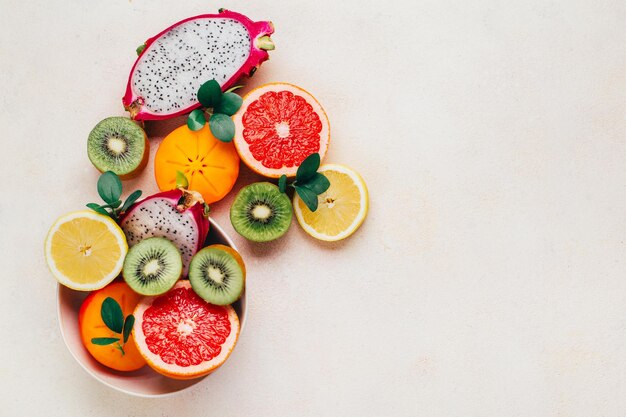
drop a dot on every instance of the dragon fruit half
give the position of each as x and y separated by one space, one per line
179 215
165 79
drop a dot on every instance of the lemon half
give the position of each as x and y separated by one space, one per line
85 250
341 209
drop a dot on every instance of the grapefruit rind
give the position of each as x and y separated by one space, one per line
243 147
173 370
110 225
298 206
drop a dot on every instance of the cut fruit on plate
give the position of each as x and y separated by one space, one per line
152 266
182 336
85 250
217 274
121 353
342 208
210 165
277 127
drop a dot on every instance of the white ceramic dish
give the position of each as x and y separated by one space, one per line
145 382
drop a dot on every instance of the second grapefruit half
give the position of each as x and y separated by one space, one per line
182 336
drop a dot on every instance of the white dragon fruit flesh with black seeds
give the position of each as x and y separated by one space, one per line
186 224
165 79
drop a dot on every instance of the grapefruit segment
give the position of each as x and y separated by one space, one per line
182 336
277 127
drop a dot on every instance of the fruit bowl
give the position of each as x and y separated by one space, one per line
144 382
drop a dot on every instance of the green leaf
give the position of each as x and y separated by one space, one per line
282 183
222 127
308 168
130 200
103 341
229 105
318 183
109 187
120 348
210 93
128 326
140 49
196 120
112 315
116 204
96 207
181 180
308 196
233 88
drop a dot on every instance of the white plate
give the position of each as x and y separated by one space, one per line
144 382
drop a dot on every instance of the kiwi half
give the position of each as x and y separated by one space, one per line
152 266
217 274
118 144
261 212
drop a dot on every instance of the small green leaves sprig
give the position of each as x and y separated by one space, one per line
219 107
110 190
113 317
309 183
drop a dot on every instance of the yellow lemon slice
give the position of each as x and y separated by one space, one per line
85 250
342 208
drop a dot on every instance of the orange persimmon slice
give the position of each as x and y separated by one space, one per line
210 165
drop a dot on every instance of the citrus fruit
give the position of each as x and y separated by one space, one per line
85 250
342 208
117 355
182 336
277 127
210 165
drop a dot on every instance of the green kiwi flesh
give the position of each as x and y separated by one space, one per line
117 144
152 266
261 212
216 276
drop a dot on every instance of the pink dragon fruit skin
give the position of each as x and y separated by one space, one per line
186 225
153 92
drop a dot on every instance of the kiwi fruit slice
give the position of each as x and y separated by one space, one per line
152 266
261 212
118 144
217 274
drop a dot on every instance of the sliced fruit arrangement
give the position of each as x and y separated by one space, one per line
85 250
106 321
260 212
182 336
173 64
186 328
210 165
277 127
178 215
217 274
118 144
152 266
342 207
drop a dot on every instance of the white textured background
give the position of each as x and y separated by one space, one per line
490 276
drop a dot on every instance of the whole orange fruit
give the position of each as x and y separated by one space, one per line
119 355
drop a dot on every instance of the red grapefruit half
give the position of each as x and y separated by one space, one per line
277 127
182 336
